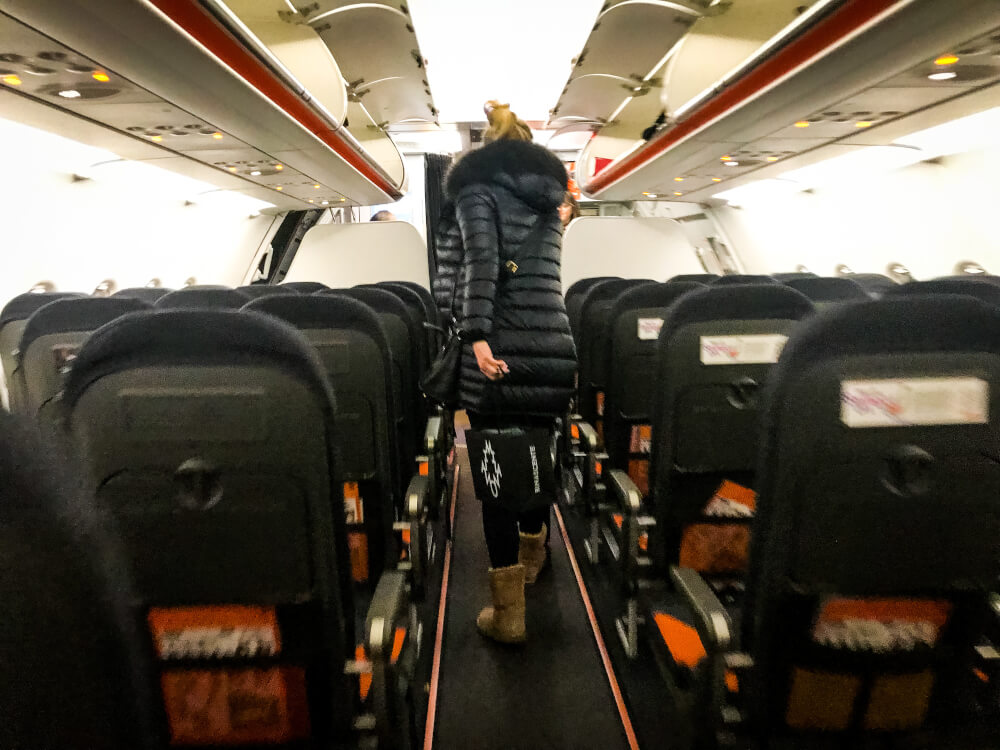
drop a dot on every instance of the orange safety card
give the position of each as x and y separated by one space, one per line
720 548
638 472
354 507
880 625
641 440
599 403
681 639
357 546
223 632
236 706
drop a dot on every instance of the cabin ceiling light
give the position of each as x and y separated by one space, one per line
69 94
255 173
945 76
732 163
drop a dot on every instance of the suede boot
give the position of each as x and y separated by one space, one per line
504 621
533 555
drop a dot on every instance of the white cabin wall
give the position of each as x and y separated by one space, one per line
927 216
128 221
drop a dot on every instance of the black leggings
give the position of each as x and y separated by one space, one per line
501 525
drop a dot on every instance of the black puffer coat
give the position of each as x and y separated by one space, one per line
508 274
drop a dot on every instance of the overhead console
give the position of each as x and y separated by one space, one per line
246 94
746 89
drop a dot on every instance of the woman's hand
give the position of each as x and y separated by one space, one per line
492 368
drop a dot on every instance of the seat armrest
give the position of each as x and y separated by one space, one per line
388 605
432 434
629 501
588 435
415 509
712 620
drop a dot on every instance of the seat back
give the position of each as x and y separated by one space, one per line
875 542
354 351
51 339
430 309
418 314
783 277
13 319
635 320
592 345
717 347
253 291
986 278
78 674
202 298
147 294
976 287
734 279
828 291
574 299
305 287
396 319
209 435
695 278
874 283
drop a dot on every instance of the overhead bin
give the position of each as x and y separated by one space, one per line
195 85
622 56
841 74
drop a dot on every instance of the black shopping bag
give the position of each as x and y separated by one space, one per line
512 467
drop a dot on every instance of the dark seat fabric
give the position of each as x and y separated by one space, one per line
828 290
23 305
873 283
975 286
717 347
783 277
77 670
52 336
209 434
574 297
418 316
305 287
696 278
354 351
874 549
592 345
253 291
203 298
635 320
397 322
430 309
735 279
986 278
147 294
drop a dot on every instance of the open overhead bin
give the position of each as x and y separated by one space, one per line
758 86
257 101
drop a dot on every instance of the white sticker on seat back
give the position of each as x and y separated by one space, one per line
914 401
649 328
755 349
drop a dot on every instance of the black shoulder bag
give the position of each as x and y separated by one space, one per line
440 382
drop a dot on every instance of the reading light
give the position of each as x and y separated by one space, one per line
343 200
678 179
69 94
12 80
156 138
279 187
100 75
732 163
316 186
946 76
255 173
725 158
217 136
802 124
325 203
946 60
772 158
863 124
716 179
279 167
231 169
677 192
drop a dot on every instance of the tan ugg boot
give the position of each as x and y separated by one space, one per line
504 621
532 554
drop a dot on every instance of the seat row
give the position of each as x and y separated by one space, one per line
799 506
266 473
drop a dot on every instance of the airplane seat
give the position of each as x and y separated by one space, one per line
976 286
147 294
355 354
793 275
740 278
210 435
985 278
50 341
13 318
202 298
304 287
78 673
418 315
592 343
396 321
717 348
873 570
434 339
874 283
696 278
574 299
828 291
253 291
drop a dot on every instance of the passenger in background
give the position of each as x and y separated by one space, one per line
383 216
502 249
569 209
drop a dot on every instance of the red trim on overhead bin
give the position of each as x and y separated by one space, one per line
853 16
197 22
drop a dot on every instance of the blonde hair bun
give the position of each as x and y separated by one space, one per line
504 124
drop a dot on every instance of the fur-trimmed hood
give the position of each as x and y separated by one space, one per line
533 173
